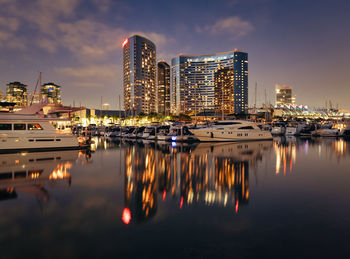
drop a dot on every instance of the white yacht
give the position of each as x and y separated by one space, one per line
231 130
294 128
28 132
278 128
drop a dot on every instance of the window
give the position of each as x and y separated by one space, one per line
247 127
19 126
34 126
5 126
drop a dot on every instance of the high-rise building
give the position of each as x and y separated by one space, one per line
193 81
224 91
139 75
163 87
16 92
284 95
52 93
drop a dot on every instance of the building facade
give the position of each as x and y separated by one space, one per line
163 88
16 92
139 75
224 91
52 93
284 95
193 81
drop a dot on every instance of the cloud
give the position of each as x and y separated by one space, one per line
233 26
157 38
90 39
11 24
91 75
49 45
102 5
103 72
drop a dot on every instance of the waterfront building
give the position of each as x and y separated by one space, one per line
163 87
139 75
16 92
193 81
52 93
284 95
224 91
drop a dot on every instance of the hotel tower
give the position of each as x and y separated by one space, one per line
163 88
210 83
139 75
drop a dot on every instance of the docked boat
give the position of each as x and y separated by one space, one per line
278 128
147 132
181 134
326 133
231 130
113 132
163 134
307 130
294 128
27 132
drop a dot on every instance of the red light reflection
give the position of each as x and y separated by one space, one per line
126 216
164 195
181 202
236 207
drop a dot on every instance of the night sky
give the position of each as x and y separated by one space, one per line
77 43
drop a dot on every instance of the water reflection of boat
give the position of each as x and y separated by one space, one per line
31 172
240 150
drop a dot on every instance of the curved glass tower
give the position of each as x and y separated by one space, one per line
193 83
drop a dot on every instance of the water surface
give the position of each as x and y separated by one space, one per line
287 198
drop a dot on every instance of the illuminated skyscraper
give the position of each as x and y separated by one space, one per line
139 75
17 92
163 88
51 93
224 91
193 81
284 95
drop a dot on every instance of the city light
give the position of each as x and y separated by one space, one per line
125 42
126 216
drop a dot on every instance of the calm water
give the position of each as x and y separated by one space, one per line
278 199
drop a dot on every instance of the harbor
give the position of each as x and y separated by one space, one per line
174 129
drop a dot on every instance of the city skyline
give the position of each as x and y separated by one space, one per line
78 44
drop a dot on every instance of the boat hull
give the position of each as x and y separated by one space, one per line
206 135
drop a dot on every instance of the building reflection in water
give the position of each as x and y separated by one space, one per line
35 173
207 174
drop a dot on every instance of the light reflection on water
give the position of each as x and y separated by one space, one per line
203 198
